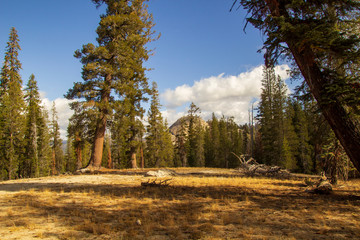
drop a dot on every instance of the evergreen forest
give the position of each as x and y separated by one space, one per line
315 129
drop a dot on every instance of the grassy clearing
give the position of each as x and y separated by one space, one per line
196 207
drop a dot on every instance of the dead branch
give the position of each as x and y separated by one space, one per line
241 158
251 167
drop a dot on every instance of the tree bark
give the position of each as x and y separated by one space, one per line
53 162
109 158
98 144
79 158
133 159
142 157
345 127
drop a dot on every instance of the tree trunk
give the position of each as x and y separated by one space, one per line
98 144
53 162
133 159
142 157
109 158
78 157
345 127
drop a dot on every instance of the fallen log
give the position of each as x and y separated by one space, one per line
250 167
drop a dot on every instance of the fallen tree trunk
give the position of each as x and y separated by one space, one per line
250 167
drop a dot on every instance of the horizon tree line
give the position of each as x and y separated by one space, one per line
30 144
110 98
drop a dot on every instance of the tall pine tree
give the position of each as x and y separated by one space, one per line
195 138
320 38
159 149
115 66
56 144
36 156
12 108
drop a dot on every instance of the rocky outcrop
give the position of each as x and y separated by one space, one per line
161 173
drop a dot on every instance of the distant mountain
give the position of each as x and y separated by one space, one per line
175 128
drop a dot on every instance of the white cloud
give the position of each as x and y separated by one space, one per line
222 94
63 111
171 115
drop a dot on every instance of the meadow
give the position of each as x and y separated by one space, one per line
197 204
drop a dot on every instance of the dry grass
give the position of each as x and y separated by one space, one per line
192 207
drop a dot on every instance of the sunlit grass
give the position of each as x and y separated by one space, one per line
191 207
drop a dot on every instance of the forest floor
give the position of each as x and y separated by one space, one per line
198 204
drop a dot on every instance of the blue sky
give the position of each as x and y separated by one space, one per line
203 52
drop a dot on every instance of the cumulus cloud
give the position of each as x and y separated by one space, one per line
223 94
63 112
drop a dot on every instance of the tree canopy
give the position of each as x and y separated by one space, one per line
322 40
113 71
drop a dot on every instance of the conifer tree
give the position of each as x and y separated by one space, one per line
276 149
269 131
236 142
134 96
44 148
107 158
212 139
115 67
245 135
158 141
303 149
181 143
224 149
36 154
195 139
119 138
81 129
12 107
318 37
291 139
199 144
56 144
70 156
167 152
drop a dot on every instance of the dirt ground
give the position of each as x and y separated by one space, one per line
198 204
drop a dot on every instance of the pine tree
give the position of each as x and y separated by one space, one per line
115 66
236 142
269 131
119 138
167 152
81 129
315 36
212 139
135 112
12 107
158 141
44 148
199 144
274 139
70 156
56 144
195 139
291 140
36 154
181 143
107 157
279 100
246 139
303 149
